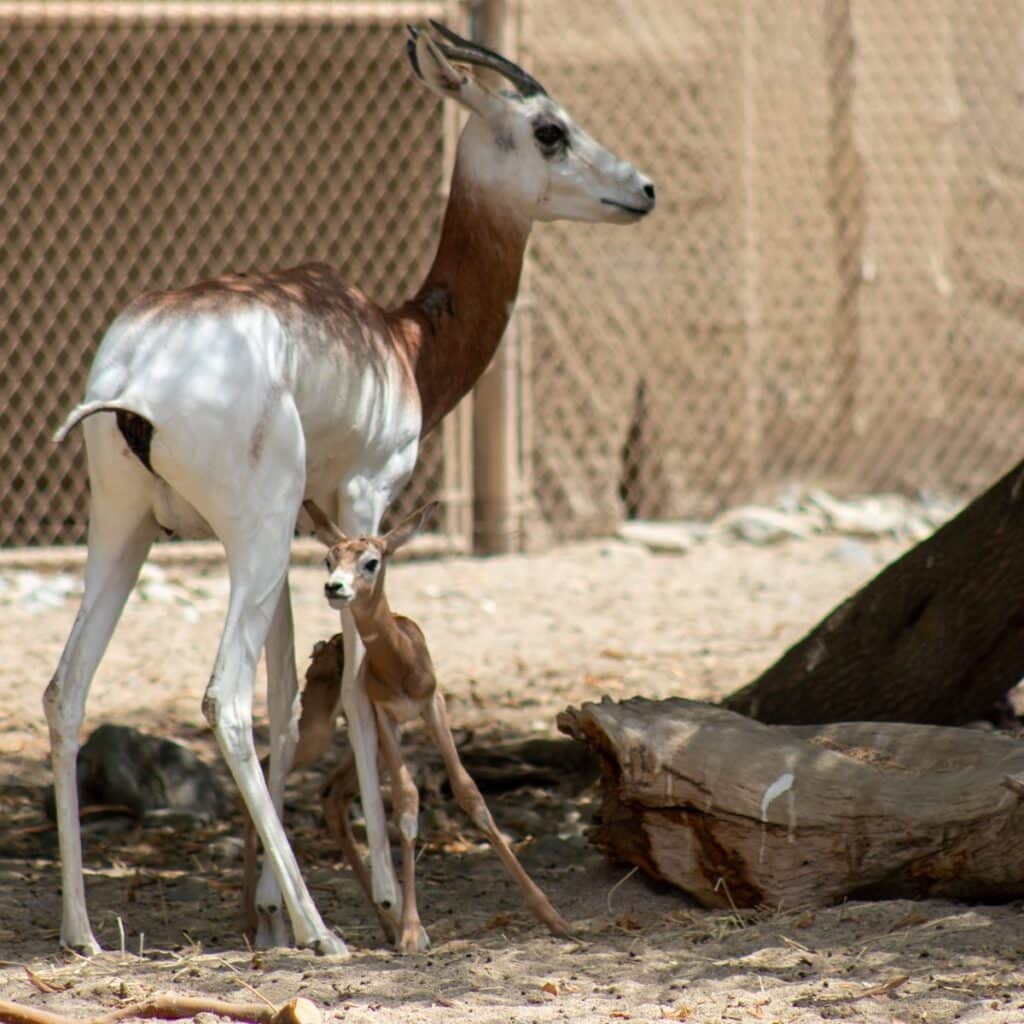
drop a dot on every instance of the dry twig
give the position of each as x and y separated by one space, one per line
173 1007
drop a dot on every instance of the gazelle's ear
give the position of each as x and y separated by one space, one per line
327 532
408 527
449 82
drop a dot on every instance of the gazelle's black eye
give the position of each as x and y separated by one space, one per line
327 564
549 134
370 566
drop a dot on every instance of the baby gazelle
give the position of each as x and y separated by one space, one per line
401 685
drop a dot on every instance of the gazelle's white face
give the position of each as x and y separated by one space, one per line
354 568
525 146
531 149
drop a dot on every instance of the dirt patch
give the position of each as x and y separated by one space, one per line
515 640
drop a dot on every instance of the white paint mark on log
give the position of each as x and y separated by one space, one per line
783 784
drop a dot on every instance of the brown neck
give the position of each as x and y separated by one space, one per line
388 649
452 326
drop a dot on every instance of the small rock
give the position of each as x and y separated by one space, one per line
149 776
227 849
757 524
884 515
669 538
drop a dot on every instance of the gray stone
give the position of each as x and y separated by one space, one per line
148 777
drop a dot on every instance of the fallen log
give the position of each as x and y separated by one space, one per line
937 636
742 814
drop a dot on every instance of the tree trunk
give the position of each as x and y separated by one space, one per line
742 814
937 637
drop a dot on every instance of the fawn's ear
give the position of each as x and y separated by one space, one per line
327 532
409 527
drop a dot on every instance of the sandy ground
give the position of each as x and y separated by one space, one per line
515 639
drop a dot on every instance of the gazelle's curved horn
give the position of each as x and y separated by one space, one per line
463 50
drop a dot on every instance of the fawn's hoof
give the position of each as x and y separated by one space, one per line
415 940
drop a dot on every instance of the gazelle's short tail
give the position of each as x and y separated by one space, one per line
86 409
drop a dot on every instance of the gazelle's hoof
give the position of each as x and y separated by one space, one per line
328 944
86 947
271 931
82 945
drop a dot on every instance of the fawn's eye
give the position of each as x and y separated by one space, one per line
370 566
327 564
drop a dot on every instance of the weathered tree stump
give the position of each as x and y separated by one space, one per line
937 636
742 814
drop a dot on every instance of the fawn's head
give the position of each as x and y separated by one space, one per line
356 565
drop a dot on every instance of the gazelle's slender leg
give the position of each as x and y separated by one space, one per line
405 800
121 530
320 701
253 513
282 702
257 578
362 734
472 802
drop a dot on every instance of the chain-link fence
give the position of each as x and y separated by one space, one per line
831 289
148 145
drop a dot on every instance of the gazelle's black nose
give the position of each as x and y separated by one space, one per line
649 191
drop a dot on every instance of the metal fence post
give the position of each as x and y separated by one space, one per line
497 440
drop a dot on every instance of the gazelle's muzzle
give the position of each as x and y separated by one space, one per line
338 593
637 205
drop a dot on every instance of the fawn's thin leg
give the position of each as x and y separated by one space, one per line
472 802
250 867
405 800
335 799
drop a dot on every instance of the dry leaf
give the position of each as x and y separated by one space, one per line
458 844
551 987
886 987
910 921
680 1013
602 682
502 920
223 886
628 923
